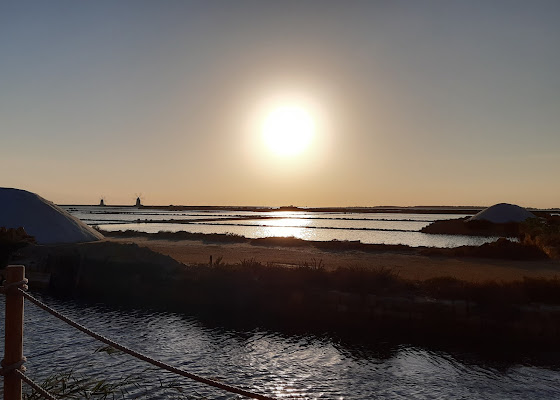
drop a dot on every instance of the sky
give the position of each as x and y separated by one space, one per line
411 102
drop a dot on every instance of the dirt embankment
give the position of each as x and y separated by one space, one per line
469 263
461 226
538 237
390 293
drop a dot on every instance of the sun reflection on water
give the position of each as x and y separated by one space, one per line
286 227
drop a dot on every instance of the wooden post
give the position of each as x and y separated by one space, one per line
13 350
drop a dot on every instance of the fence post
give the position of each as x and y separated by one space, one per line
13 349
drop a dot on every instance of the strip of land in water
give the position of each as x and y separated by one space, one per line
374 291
408 262
379 209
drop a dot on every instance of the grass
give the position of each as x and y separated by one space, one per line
180 235
69 384
251 275
333 245
539 239
544 234
72 385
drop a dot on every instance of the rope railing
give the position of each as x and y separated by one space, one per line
17 289
36 387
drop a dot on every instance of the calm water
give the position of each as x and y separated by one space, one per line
382 228
285 366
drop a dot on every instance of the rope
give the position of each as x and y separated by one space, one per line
17 366
10 286
36 387
143 357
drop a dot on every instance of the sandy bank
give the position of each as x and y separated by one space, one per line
409 264
373 304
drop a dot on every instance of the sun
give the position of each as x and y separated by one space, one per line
288 130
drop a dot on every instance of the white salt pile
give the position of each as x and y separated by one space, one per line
503 213
48 223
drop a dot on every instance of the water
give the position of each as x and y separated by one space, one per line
305 366
377 228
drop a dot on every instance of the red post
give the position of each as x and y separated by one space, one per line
13 350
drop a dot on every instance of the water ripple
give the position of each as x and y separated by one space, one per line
285 366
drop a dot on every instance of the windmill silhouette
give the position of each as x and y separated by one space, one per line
102 201
139 199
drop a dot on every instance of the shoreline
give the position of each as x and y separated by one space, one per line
390 293
349 210
409 262
357 209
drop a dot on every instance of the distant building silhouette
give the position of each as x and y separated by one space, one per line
138 202
102 202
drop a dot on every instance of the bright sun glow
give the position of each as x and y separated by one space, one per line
288 131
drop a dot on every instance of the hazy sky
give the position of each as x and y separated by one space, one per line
413 102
